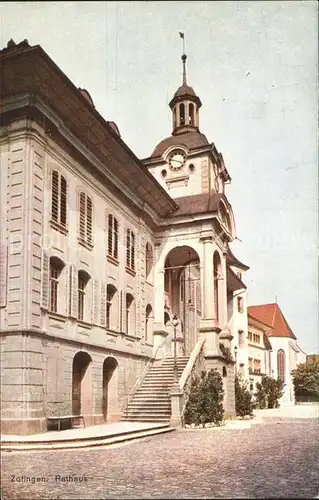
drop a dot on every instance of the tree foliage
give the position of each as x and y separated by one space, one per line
269 391
205 402
243 396
306 381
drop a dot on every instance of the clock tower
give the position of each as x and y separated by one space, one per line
185 163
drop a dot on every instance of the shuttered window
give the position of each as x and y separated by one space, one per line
59 199
85 218
83 279
130 249
112 237
56 267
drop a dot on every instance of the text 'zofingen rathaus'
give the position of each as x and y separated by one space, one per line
118 282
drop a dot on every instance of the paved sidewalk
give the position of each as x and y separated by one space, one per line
293 412
93 431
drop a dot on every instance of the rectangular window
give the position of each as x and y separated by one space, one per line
112 237
85 218
250 337
58 199
240 304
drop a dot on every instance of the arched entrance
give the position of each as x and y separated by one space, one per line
183 293
110 389
81 384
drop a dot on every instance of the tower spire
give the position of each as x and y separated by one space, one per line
184 57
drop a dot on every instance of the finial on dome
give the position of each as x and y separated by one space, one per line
184 57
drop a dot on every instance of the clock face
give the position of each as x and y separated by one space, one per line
177 160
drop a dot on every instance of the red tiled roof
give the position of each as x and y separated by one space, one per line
197 204
272 315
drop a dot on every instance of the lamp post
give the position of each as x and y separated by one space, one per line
236 352
175 323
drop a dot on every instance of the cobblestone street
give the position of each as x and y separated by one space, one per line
268 461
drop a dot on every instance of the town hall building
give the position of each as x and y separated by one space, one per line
118 282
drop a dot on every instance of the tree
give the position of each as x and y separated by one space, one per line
205 402
306 381
243 396
269 391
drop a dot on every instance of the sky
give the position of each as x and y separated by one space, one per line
254 65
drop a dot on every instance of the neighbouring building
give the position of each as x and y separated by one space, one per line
108 262
312 359
259 351
285 352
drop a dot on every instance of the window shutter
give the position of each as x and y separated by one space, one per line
95 302
89 219
63 198
103 304
73 292
3 274
55 196
45 280
82 216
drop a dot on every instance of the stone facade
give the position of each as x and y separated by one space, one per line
99 250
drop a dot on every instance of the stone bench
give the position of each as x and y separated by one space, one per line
64 418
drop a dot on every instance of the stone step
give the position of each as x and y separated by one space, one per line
79 441
147 418
149 410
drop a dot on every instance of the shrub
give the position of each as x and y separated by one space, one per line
243 396
269 391
205 402
306 381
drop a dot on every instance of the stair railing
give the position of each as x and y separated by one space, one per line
192 369
139 380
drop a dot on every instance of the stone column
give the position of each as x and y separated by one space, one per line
208 324
222 290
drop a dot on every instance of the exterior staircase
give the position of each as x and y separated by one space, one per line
151 402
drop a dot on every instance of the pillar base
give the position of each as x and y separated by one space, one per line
23 427
176 395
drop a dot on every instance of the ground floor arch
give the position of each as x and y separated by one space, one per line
182 290
82 384
110 388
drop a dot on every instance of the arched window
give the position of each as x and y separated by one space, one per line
281 364
148 260
148 322
83 279
182 114
174 118
130 250
166 318
85 220
129 313
56 266
58 198
112 236
110 297
217 276
191 114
